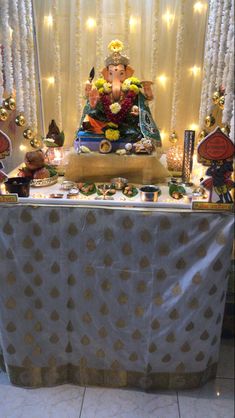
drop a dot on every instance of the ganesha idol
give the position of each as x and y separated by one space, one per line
116 116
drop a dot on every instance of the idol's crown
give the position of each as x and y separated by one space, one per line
116 58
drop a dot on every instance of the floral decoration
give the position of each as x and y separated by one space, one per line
115 46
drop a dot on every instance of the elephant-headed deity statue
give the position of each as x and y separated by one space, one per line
117 108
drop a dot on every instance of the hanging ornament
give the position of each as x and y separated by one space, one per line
215 97
173 138
209 121
202 135
20 120
36 143
28 133
221 102
226 129
10 103
3 114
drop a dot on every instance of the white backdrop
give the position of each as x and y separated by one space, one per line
150 29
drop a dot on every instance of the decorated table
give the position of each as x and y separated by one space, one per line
112 296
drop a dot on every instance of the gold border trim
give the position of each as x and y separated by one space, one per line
33 377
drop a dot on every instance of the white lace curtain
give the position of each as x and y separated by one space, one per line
164 40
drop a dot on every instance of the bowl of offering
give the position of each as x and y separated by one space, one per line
119 182
19 185
149 193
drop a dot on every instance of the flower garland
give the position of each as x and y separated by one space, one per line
178 67
214 61
32 79
24 57
78 59
154 44
99 35
125 106
17 68
6 42
223 42
1 77
127 15
205 98
228 77
57 61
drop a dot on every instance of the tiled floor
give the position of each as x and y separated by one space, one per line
214 400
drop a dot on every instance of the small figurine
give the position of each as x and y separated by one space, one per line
55 134
220 180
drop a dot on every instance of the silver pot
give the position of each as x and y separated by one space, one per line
149 193
119 182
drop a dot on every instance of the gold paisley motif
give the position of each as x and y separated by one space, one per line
38 326
189 327
212 290
118 345
90 218
139 311
11 349
217 266
170 338
193 303
181 264
28 291
204 336
103 332
141 286
7 229
133 356
174 314
68 348
28 315
72 230
27 242
122 298
185 348
90 244
29 339
144 262
38 255
145 236
108 261
161 275
203 225
37 280
55 268
54 216
163 250
38 303
54 338
127 223
100 353
54 316
220 238
28 268
183 238
120 323
201 251
115 365
54 293
89 270
180 368
88 294
125 274
165 223
176 290
200 356
136 335
37 350
208 313
69 326
104 310
11 327
85 340
10 254
72 256
155 324
71 280
11 279
166 358
126 249
10 303
25 216
197 278
37 230
55 243
108 234
70 303
87 318
158 300
106 285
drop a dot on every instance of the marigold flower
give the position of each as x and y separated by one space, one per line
115 108
100 82
107 87
134 88
115 46
112 134
101 90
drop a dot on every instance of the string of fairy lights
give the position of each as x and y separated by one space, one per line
163 80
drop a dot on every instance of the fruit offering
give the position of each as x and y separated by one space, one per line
130 191
86 188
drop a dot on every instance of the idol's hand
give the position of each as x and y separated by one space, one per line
88 87
93 97
147 89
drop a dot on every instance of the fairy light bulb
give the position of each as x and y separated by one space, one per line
199 6
132 22
193 127
168 17
163 135
90 23
51 80
195 71
48 20
162 80
22 147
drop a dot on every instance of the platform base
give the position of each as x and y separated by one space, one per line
95 167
